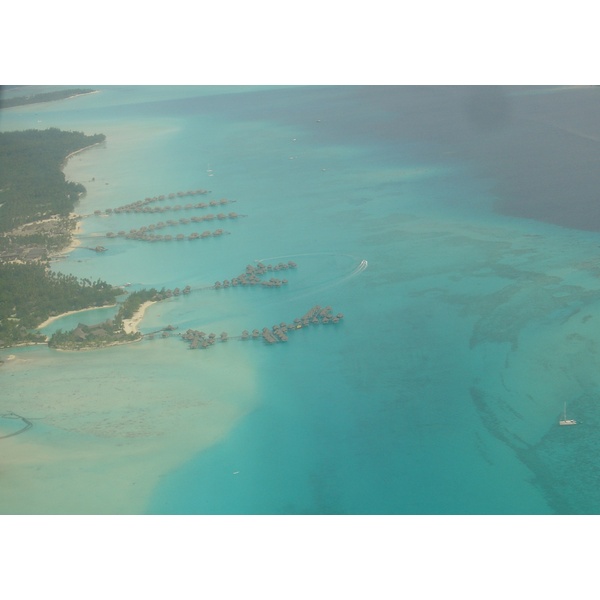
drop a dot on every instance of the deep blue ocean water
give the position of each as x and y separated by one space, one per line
464 332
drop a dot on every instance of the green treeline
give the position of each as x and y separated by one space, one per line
43 97
32 184
106 333
29 294
133 302
91 336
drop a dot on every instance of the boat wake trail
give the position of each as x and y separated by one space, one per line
319 271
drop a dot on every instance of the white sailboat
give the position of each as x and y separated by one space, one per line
564 420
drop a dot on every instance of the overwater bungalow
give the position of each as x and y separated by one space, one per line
224 336
245 334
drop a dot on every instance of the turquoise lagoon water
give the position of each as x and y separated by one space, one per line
464 331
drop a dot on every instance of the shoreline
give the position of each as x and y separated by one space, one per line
102 347
132 325
50 320
75 240
66 158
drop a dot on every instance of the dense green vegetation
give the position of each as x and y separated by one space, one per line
35 203
106 333
32 184
91 336
29 294
132 303
43 97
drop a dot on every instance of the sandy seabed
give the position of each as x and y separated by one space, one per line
101 444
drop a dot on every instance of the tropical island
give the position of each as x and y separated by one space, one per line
44 97
36 220
108 333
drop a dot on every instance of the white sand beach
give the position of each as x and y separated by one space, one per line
102 445
132 325
50 320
